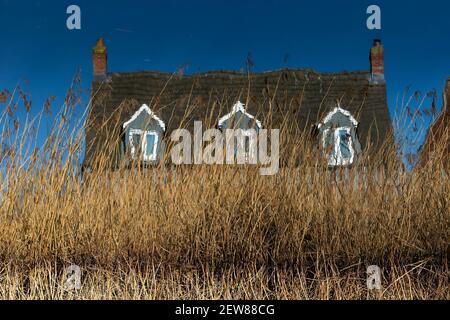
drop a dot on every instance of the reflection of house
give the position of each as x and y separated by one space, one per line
437 143
302 96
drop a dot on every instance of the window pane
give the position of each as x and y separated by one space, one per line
242 143
136 142
328 143
247 144
345 144
328 138
150 144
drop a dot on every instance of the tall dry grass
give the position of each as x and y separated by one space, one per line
214 232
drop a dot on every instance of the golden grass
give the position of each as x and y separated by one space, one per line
219 232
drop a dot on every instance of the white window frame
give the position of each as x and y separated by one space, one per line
143 134
338 160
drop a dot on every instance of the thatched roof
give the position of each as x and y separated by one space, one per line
302 96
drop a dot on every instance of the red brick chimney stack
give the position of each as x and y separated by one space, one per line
100 60
377 62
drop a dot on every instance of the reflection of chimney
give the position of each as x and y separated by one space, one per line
99 60
377 62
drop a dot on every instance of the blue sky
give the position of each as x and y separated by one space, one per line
324 35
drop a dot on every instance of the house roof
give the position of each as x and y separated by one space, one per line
299 96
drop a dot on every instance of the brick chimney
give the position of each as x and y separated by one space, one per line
99 60
377 62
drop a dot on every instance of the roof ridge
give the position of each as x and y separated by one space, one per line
235 72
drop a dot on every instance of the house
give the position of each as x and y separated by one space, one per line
139 110
437 141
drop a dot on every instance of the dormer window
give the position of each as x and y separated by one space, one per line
340 143
143 134
247 128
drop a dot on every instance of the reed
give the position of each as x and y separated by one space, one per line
216 232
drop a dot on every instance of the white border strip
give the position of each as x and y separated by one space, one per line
336 110
239 106
150 113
